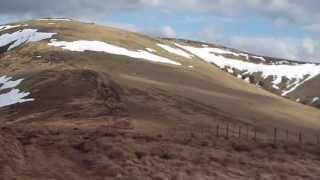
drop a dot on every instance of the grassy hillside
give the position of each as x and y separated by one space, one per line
97 115
203 84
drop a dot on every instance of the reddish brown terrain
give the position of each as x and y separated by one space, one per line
116 150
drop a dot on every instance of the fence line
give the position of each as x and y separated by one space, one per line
274 135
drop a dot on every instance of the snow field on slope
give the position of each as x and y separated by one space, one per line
23 36
7 27
259 57
151 50
315 99
176 51
83 45
297 73
14 95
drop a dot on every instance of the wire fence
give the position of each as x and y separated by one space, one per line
249 132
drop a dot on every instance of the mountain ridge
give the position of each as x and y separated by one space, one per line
238 50
256 59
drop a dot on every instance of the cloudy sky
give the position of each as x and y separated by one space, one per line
281 28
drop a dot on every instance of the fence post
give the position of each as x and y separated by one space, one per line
227 135
300 137
189 135
247 135
239 133
255 134
218 128
275 136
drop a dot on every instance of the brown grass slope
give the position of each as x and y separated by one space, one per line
205 85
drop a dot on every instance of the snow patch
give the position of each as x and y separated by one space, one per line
229 70
282 62
83 45
259 57
216 51
315 99
175 51
275 87
9 84
151 50
244 55
247 80
14 95
23 36
7 27
296 73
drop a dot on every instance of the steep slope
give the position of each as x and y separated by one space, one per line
308 92
83 101
282 77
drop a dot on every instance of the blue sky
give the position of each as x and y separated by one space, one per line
281 28
250 32
188 25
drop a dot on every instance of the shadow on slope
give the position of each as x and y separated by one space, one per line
68 93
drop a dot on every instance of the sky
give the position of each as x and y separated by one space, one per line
280 28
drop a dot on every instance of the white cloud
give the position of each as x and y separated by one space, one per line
309 46
313 28
211 33
168 31
305 13
289 48
292 10
164 31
